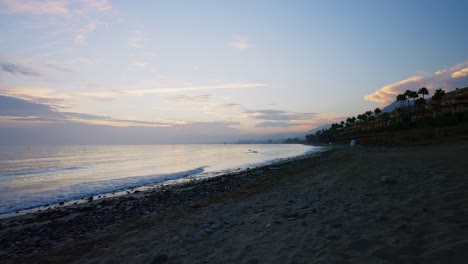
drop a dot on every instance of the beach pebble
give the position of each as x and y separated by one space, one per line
160 259
388 179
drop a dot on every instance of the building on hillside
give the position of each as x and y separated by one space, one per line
455 102
452 103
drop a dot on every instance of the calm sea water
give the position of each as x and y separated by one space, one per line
36 176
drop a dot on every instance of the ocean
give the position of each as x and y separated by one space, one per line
31 177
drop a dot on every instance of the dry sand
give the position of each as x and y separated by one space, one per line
353 205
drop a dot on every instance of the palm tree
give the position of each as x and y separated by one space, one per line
438 94
401 98
420 103
408 95
361 119
423 91
377 111
413 95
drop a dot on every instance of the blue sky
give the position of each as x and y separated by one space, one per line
220 69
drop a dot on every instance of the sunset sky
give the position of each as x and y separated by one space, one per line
215 70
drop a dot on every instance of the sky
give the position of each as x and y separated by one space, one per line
155 72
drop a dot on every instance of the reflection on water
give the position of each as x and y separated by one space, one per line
39 175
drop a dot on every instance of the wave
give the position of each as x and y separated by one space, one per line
87 189
33 172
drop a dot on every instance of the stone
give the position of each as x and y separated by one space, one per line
160 259
388 180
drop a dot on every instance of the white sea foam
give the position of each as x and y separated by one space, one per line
87 189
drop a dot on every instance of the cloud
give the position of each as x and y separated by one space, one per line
11 106
36 7
83 61
53 7
460 73
81 35
448 79
140 92
278 115
16 69
98 5
230 105
57 67
137 40
191 98
196 88
280 124
239 42
16 109
138 64
39 95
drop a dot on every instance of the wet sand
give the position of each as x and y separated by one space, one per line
348 205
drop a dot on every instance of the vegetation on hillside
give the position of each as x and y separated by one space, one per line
415 111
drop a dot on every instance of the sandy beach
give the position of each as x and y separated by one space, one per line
346 205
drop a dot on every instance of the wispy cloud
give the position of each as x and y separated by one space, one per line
279 124
88 61
239 42
111 94
39 95
53 7
36 7
138 40
55 66
448 79
82 32
230 105
278 115
20 110
138 64
16 69
196 88
98 5
191 98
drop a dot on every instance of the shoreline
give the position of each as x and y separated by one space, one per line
360 205
155 186
181 185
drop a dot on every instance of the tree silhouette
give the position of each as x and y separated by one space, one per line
385 117
413 95
423 91
438 94
401 98
377 111
420 103
407 95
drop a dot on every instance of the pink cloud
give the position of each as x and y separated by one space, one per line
98 5
460 73
239 42
81 35
448 79
53 7
35 7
